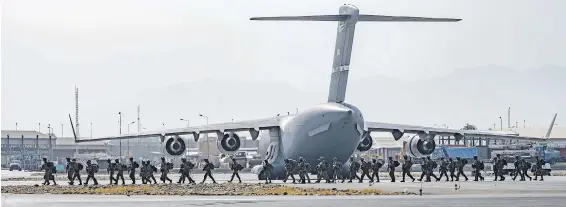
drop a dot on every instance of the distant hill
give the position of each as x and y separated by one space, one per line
478 96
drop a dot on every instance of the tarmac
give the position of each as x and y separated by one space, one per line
550 192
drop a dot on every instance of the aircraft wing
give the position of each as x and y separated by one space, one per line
399 129
252 125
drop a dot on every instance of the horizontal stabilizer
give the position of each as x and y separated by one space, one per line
361 17
381 18
305 18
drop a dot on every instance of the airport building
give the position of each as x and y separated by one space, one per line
29 147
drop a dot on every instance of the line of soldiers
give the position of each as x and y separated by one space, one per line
521 168
116 171
333 172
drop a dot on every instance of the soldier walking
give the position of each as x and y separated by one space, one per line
110 170
431 166
424 170
336 170
525 167
443 169
478 167
518 168
235 167
208 167
303 170
366 167
132 170
354 167
90 171
119 172
375 168
50 170
452 168
266 171
538 168
391 166
460 163
70 171
322 170
77 167
406 168
150 169
164 171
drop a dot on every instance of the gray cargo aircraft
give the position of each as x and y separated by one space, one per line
332 129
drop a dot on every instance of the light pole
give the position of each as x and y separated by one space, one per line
129 139
120 131
188 122
207 142
16 126
501 121
91 130
39 130
62 130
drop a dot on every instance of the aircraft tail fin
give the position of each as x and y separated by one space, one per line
347 17
547 136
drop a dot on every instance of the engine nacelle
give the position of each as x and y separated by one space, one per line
366 142
417 147
229 143
175 145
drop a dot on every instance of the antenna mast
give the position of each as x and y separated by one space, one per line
77 110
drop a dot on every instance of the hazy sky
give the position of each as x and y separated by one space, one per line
116 48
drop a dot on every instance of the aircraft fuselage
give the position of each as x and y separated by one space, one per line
328 130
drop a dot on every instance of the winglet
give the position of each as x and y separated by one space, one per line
547 136
73 127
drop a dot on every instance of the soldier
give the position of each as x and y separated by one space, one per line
322 170
266 171
501 163
187 168
406 167
288 170
460 163
235 166
164 170
452 169
478 167
119 168
90 171
366 166
443 169
143 173
526 166
336 169
77 167
208 167
518 168
303 170
391 168
496 170
354 167
424 170
431 166
538 168
49 171
132 170
70 171
44 167
375 168
150 169
110 169
182 177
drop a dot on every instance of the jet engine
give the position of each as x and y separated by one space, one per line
229 143
175 145
365 143
417 147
